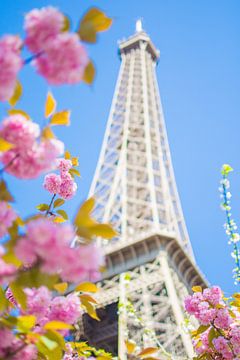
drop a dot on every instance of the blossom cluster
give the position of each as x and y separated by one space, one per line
63 184
10 64
49 244
16 349
41 304
61 58
58 55
219 333
7 217
45 308
29 156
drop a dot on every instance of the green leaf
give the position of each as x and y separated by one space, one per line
26 323
63 214
66 24
4 193
42 207
226 169
61 118
19 294
92 22
50 344
3 301
35 278
73 172
16 95
211 335
58 202
57 325
89 73
10 258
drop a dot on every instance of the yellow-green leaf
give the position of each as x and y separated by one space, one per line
86 208
104 230
59 219
50 105
42 207
47 133
61 287
57 325
87 297
58 202
10 258
226 169
3 301
19 294
197 289
61 118
73 172
130 345
25 323
92 22
87 287
18 111
50 344
147 351
90 309
75 161
16 94
89 73
5 145
4 193
66 24
63 214
67 155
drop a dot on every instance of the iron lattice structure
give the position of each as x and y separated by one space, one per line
135 190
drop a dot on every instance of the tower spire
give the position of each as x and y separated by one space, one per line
139 27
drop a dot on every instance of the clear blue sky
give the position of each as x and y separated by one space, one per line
199 79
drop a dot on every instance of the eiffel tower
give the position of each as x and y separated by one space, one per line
135 190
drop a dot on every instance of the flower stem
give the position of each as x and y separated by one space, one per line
9 164
50 205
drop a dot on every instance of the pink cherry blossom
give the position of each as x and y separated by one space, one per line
68 187
192 303
7 272
41 26
10 64
29 164
45 240
63 60
213 295
82 263
66 309
204 347
28 352
19 131
7 216
52 183
222 319
221 345
64 165
38 302
7 339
